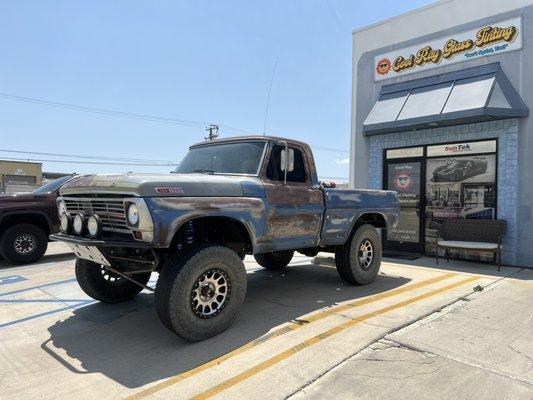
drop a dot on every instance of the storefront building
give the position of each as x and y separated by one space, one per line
440 113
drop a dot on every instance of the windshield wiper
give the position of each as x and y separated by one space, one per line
204 171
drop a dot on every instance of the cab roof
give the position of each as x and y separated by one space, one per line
247 139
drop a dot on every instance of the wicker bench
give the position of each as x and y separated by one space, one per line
471 234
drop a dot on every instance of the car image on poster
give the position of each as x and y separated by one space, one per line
458 170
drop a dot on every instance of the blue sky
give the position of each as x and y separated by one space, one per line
206 61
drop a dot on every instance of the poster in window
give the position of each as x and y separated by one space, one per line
404 178
461 169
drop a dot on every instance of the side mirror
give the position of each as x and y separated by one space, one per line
287 164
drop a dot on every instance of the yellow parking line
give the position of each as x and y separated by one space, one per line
278 332
296 349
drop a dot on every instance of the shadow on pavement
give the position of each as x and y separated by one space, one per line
457 265
128 344
5 265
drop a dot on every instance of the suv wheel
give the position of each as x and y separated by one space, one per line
358 261
23 243
199 293
274 261
103 285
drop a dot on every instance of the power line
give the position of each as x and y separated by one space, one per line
105 111
336 17
89 162
117 113
143 117
141 160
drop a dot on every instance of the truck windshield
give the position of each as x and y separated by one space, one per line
226 158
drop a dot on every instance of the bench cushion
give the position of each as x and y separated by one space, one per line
467 245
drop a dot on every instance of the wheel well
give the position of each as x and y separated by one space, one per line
226 231
35 219
374 219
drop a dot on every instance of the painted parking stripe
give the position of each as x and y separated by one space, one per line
299 347
38 287
278 332
6 280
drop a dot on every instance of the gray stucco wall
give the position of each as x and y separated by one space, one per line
505 131
518 67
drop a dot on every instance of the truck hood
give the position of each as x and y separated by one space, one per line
158 185
19 197
22 201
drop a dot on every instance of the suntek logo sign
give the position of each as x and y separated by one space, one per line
457 148
488 146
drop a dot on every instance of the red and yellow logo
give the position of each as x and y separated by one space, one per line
403 182
383 66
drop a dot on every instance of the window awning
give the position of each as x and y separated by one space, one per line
475 94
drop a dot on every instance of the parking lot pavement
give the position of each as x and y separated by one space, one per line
481 347
418 330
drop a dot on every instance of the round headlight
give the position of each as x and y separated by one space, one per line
133 214
61 208
93 225
78 224
65 222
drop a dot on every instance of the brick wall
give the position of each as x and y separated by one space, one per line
506 131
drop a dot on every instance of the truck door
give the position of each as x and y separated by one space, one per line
294 209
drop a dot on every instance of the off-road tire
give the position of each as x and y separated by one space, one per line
92 281
7 245
347 256
274 261
174 291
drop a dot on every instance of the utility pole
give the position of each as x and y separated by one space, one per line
213 132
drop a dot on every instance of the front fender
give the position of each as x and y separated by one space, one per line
170 213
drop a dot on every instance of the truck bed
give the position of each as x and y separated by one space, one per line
343 207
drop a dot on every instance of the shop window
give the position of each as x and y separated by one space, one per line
460 187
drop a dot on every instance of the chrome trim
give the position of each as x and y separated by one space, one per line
82 191
112 213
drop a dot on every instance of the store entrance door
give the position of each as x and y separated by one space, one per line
405 176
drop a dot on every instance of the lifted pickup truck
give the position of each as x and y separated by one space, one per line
230 197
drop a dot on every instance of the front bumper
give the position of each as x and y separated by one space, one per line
60 237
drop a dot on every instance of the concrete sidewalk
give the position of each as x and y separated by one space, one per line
481 347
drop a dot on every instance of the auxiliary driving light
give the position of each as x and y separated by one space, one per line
79 224
94 225
65 222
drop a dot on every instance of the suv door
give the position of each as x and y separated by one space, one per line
294 210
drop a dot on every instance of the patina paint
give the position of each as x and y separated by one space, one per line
276 215
170 213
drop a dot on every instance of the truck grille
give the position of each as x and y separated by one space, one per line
111 212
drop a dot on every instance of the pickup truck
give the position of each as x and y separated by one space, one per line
26 220
228 198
